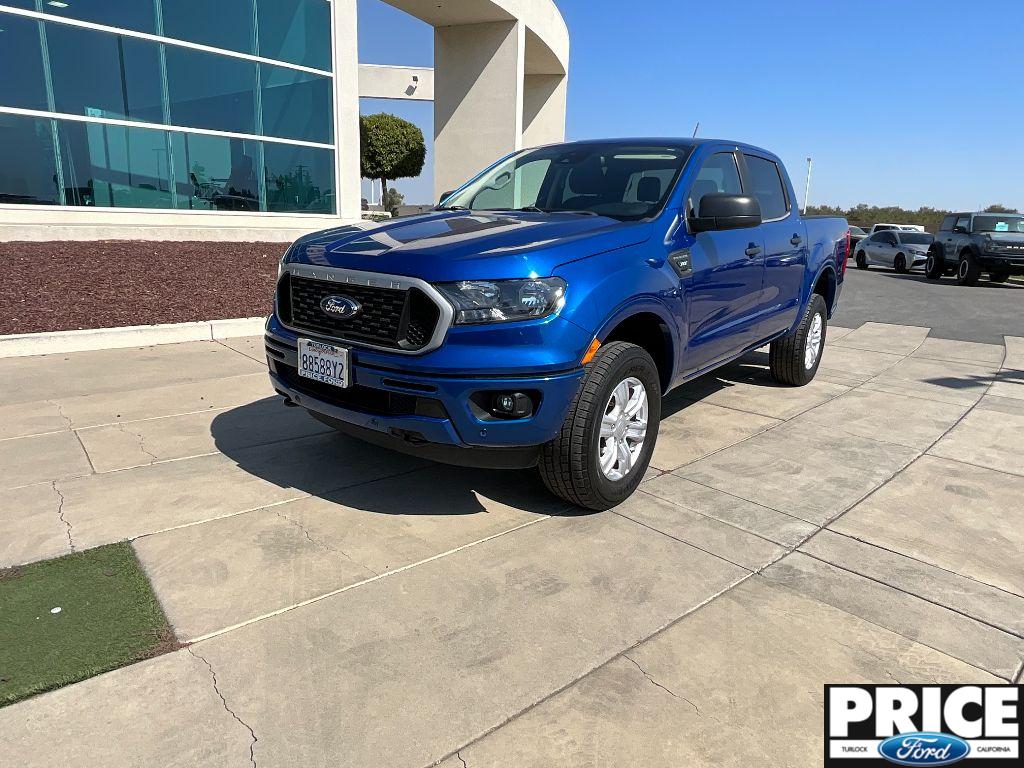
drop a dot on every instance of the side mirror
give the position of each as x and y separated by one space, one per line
960 230
445 196
721 211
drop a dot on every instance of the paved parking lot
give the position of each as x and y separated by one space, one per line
348 606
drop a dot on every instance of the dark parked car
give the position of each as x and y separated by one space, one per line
969 244
856 235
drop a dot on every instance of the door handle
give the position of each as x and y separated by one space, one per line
796 239
752 250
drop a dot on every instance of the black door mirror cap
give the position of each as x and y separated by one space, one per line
722 211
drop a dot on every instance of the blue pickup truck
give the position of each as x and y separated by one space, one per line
540 313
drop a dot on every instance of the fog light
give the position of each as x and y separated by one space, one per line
511 405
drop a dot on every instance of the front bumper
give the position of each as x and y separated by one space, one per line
1001 263
426 414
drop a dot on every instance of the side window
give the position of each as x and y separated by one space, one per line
889 238
767 187
965 222
718 174
948 223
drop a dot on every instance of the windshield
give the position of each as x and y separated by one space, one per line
999 223
625 182
916 238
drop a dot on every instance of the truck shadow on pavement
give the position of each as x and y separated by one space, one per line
316 460
948 281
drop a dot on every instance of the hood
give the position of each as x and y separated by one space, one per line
464 245
1005 238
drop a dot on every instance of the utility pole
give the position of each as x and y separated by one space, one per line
807 189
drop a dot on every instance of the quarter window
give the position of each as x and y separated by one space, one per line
766 186
718 174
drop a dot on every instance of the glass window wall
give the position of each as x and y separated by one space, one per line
137 15
221 23
297 105
298 31
28 167
21 53
299 178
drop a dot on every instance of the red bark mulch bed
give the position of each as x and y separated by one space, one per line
60 286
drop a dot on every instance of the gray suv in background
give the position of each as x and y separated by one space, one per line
969 244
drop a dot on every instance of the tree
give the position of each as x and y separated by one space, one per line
392 199
390 148
997 208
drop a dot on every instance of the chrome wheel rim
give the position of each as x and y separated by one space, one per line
963 268
813 344
929 264
623 429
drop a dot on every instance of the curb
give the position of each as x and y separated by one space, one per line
26 344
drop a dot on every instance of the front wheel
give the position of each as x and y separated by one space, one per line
794 359
934 266
861 260
604 447
968 271
900 264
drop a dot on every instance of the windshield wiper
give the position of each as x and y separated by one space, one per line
582 212
452 208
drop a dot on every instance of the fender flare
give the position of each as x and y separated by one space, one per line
826 266
639 305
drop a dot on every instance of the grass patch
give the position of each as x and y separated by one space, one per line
108 617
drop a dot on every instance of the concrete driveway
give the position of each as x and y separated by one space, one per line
349 606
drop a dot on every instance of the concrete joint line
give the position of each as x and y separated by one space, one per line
223 701
386 574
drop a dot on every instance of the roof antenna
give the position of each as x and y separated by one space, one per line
695 129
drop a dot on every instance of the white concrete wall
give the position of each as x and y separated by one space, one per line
544 109
377 81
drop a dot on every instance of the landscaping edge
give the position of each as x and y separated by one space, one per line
55 342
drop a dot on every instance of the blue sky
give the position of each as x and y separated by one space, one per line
899 102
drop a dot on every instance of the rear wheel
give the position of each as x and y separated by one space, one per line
604 447
968 271
900 264
794 359
934 266
862 260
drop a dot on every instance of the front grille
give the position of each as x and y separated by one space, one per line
379 402
393 318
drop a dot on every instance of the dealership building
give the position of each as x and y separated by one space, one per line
238 119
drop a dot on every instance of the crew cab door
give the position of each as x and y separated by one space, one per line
785 243
726 268
954 240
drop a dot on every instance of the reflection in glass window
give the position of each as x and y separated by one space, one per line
28 172
127 14
298 31
299 178
215 173
104 75
20 53
220 23
211 91
296 105
114 166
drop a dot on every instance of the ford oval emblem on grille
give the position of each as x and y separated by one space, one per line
341 306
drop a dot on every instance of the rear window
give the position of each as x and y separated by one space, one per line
766 186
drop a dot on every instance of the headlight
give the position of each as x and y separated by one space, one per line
502 301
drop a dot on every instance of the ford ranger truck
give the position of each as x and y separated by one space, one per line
540 313
968 244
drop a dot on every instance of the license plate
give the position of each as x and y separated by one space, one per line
324 362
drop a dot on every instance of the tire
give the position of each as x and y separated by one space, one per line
968 271
900 264
570 464
935 267
861 260
997 277
788 356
